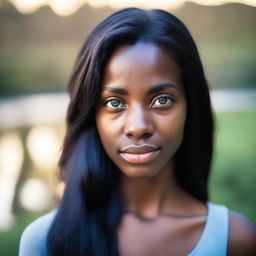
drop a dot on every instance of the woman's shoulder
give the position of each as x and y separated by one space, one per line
240 231
242 235
33 238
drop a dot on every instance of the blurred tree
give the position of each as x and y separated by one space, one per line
38 50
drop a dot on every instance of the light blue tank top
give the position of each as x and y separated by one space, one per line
213 241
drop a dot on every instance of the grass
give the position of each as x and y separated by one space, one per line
234 165
9 241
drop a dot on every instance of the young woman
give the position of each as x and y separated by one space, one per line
138 149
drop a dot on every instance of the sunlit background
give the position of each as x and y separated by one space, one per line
38 45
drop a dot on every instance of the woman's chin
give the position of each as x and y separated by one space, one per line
139 173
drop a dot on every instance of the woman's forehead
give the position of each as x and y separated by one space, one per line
141 63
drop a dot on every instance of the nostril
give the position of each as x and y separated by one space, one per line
129 135
141 135
146 135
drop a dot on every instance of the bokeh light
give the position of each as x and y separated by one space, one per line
35 195
67 7
60 190
11 159
43 145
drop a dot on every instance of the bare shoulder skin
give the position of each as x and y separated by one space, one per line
242 236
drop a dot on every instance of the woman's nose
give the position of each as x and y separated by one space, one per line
138 124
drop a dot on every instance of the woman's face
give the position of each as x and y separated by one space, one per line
142 109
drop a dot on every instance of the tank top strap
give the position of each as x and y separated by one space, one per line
214 239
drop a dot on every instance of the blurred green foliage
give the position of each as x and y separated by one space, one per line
34 70
37 50
234 164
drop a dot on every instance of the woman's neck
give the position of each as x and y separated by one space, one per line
150 197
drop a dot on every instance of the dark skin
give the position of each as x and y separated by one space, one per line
140 119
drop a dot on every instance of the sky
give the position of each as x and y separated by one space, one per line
67 7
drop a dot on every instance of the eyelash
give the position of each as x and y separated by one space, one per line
120 108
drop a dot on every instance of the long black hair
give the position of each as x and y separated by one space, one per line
91 208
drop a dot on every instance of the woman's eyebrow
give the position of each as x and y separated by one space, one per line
160 87
153 89
116 90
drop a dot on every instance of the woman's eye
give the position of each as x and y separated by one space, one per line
162 101
114 103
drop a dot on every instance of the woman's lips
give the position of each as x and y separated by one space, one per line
139 154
